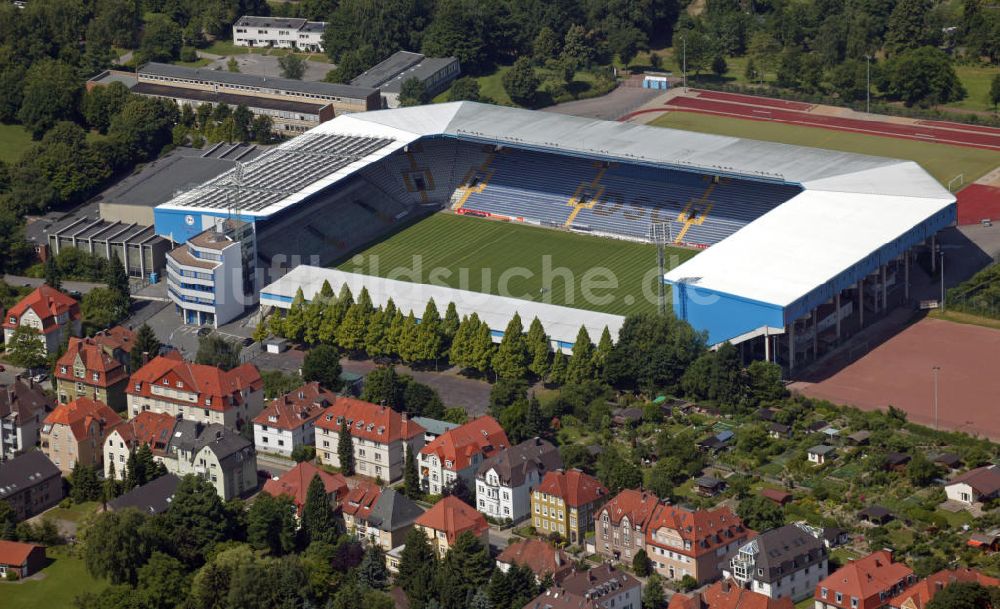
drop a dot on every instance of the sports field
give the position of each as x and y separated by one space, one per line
539 264
942 161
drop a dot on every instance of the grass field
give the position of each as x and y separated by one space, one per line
942 161
65 579
977 82
14 140
581 271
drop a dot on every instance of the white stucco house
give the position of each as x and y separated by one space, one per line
504 481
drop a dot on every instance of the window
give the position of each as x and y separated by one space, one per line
854 602
823 592
95 376
840 597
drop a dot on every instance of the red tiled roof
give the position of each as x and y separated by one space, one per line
639 506
539 556
117 338
479 436
360 499
707 530
297 407
983 480
865 579
47 303
295 483
222 389
779 497
95 360
79 414
921 593
368 421
728 595
574 487
454 517
148 427
15 553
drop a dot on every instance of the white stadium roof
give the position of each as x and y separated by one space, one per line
561 323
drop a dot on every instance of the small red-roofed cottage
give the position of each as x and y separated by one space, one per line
55 315
622 522
74 433
196 392
153 429
866 583
728 594
683 542
295 483
918 595
458 452
540 556
381 437
565 502
290 420
88 370
449 518
19 560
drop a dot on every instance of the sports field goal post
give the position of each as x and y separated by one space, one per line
960 178
661 233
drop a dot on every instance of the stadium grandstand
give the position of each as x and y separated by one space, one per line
800 242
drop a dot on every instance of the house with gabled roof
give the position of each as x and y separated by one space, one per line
53 314
295 483
682 541
788 561
727 594
152 429
197 392
381 517
975 486
289 421
504 481
23 407
918 595
540 556
216 453
151 498
458 452
30 484
865 583
565 502
449 518
20 560
381 437
75 432
88 370
622 524
600 587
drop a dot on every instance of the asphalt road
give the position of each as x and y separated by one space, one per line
68 286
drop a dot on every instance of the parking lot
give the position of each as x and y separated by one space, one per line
267 65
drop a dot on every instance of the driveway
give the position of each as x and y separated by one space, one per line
610 107
67 286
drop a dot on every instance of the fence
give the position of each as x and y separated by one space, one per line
978 295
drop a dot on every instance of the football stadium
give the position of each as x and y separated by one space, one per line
794 246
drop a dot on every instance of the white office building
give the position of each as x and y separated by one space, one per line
279 32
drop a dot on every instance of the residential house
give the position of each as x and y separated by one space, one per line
295 483
385 521
118 342
951 461
74 433
504 481
834 537
151 498
681 541
196 392
289 421
896 462
280 32
727 594
716 443
708 486
622 523
88 370
541 557
875 514
357 504
381 437
449 518
866 583
30 484
215 453
821 453
779 431
860 438
565 502
458 453
786 561
781 498
19 560
921 593
600 587
975 486
153 429
55 315
23 407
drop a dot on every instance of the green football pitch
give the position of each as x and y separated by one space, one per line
539 264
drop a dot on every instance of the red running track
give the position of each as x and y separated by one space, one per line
961 126
754 100
978 202
907 132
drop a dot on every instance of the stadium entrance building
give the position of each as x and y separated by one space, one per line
791 234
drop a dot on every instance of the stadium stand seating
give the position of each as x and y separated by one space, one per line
615 199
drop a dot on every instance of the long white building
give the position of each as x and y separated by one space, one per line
280 32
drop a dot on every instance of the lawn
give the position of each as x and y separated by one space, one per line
74 513
65 578
14 140
940 160
581 271
977 83
225 47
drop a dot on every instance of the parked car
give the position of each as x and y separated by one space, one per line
40 377
204 331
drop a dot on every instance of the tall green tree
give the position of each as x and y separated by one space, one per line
145 347
318 520
604 348
413 92
162 582
25 347
481 348
372 573
52 273
292 66
345 449
465 569
411 478
322 364
352 329
51 93
510 359
113 549
271 524
557 372
197 519
994 94
385 387
539 350
581 364
521 83
217 350
417 569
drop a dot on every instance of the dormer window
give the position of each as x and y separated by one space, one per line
272 418
166 382
13 319
180 385
208 401
62 369
138 386
95 376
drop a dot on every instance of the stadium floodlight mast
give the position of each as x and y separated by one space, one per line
661 233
